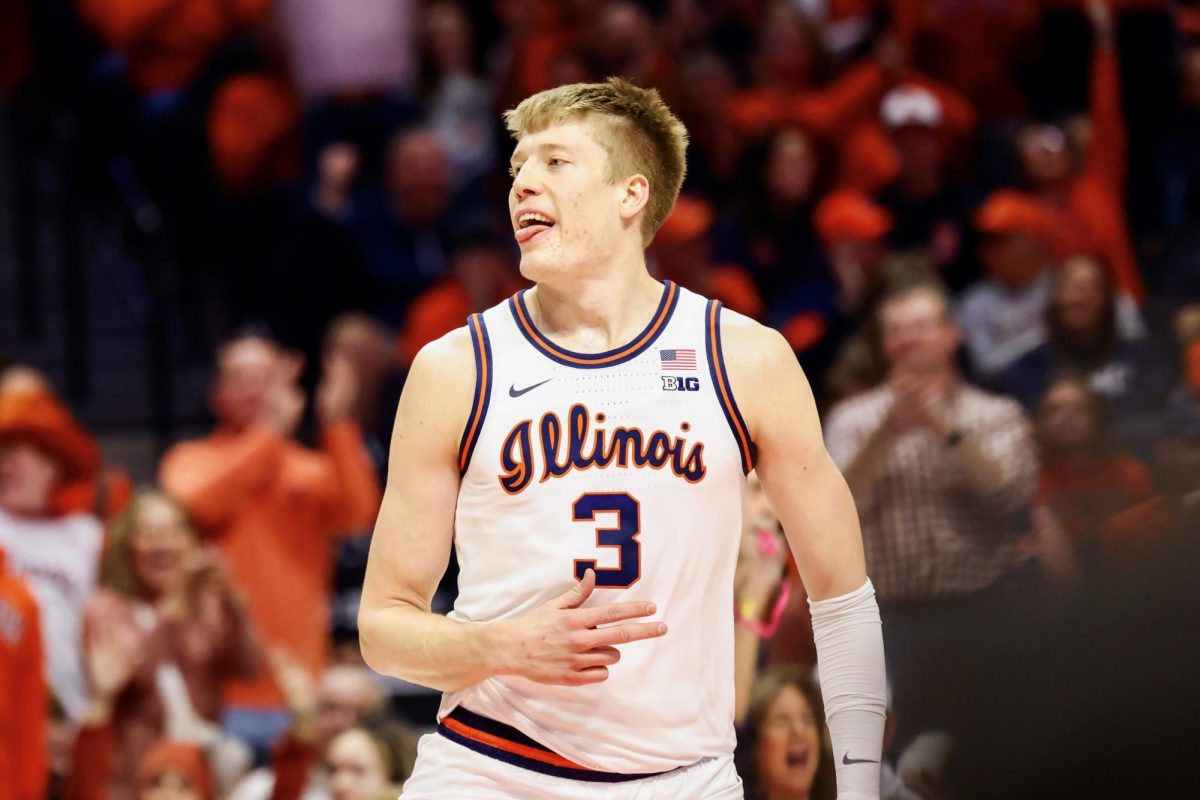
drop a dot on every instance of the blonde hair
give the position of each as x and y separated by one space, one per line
116 564
638 131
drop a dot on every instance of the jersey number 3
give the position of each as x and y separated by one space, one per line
623 537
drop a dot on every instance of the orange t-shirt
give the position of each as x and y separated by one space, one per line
23 698
1112 499
274 508
821 112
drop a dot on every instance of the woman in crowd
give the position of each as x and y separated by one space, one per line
185 623
1085 338
1093 503
370 761
789 756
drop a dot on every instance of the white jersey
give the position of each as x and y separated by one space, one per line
59 559
631 462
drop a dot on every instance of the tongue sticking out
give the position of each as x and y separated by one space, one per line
530 232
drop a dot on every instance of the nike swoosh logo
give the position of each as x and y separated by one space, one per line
847 760
513 391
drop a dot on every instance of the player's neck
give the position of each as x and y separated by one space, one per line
595 314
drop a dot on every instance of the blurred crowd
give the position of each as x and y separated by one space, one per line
977 224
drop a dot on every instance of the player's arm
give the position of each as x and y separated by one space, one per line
555 643
819 518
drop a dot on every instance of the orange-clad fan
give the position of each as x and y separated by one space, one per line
23 698
682 254
273 506
482 274
251 127
1093 197
167 41
785 95
42 450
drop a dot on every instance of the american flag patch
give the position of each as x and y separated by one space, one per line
677 359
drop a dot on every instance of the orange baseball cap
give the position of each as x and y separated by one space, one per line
1008 211
849 215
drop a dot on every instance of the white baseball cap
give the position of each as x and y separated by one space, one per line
911 105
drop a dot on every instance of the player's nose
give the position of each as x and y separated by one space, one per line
525 184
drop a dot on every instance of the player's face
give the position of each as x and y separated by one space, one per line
356 768
789 748
565 212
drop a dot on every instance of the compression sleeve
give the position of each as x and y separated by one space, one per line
849 639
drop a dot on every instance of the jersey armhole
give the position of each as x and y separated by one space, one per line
724 390
482 346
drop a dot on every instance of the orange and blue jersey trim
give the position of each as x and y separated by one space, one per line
483 390
505 743
662 315
720 379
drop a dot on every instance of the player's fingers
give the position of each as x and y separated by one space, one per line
598 657
585 676
624 634
615 612
579 593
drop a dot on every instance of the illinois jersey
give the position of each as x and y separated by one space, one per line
630 462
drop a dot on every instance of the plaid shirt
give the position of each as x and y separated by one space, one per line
927 531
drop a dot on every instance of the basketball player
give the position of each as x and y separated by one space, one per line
584 446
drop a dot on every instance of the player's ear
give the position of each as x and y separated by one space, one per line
635 196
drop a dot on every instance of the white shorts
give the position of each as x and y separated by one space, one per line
446 769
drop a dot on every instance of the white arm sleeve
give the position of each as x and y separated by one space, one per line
849 639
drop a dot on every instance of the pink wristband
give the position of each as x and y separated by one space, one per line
766 630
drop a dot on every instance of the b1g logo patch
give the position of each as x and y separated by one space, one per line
678 383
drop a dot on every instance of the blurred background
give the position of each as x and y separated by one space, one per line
227 226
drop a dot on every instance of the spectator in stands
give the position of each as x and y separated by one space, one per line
942 474
401 228
23 699
319 715
43 450
682 252
166 768
482 273
370 760
1089 202
772 232
1102 502
189 626
789 90
1001 316
1086 337
626 41
785 744
927 208
759 591
274 507
458 101
165 44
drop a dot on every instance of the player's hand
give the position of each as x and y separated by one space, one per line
561 643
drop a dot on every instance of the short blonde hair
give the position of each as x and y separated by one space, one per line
639 132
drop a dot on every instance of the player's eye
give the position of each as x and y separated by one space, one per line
513 169
554 162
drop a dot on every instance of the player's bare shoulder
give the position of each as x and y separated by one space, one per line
440 387
752 349
763 370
